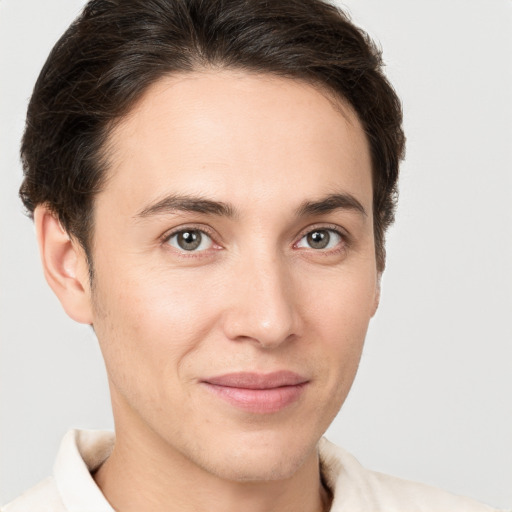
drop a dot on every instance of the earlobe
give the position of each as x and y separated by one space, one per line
64 265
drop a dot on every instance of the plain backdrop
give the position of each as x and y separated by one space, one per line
432 401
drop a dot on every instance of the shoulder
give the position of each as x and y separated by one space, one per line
44 497
358 489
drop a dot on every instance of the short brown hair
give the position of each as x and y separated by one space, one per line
116 48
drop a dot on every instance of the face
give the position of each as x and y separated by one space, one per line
235 271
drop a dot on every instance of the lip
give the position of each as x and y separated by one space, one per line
258 392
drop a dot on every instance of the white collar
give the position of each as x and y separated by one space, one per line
81 452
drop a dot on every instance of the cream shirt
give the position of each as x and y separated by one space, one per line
355 489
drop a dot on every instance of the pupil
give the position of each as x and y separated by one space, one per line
189 240
318 239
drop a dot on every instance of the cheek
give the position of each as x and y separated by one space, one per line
339 312
341 303
148 326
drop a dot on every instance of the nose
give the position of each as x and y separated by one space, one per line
262 305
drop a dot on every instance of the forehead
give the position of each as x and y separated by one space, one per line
238 136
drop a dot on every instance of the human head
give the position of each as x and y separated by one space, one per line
242 255
116 49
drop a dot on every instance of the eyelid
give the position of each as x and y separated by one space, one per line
191 227
328 227
164 238
318 227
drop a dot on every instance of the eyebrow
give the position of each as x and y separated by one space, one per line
175 203
331 203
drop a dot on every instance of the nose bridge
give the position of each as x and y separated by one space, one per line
263 307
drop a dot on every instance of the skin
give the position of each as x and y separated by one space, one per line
255 297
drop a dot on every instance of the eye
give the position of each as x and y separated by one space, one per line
190 240
320 239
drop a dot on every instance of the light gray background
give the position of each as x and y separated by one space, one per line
432 401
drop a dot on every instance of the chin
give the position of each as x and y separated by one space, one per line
260 469
260 457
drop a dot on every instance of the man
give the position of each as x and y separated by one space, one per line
211 183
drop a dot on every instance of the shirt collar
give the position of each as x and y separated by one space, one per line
81 452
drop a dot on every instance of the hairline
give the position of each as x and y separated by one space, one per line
107 149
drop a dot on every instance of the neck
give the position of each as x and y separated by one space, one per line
144 473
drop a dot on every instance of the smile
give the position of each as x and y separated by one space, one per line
258 393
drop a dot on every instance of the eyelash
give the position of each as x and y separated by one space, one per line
209 233
345 240
202 229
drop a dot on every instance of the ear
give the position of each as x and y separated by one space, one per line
377 294
64 264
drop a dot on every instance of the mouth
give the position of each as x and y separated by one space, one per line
257 392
